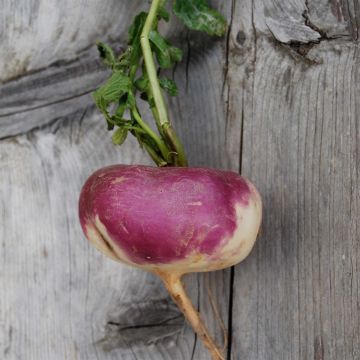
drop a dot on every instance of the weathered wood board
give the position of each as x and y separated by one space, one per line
278 99
297 296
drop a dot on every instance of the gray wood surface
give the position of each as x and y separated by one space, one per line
298 295
278 99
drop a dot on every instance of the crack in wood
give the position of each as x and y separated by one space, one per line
148 322
166 322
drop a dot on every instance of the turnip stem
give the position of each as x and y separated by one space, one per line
162 119
176 289
150 65
159 142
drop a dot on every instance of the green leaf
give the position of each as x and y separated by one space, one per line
142 83
161 48
137 26
166 54
197 15
125 59
119 136
176 54
119 113
163 13
116 86
106 54
169 86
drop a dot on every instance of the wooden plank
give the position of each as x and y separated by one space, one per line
297 296
40 98
77 303
38 33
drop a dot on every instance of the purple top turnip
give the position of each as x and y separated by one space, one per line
177 220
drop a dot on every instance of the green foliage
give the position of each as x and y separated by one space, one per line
106 53
142 83
169 86
134 37
119 136
166 54
118 85
163 14
111 92
117 97
197 15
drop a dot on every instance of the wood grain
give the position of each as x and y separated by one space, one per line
297 296
37 33
277 98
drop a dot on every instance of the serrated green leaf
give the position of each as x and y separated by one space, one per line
119 136
116 86
125 59
106 54
169 86
197 15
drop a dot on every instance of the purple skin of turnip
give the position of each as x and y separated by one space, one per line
172 221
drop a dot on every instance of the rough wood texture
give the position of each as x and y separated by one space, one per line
278 99
63 299
298 295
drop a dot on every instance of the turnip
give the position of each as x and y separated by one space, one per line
169 220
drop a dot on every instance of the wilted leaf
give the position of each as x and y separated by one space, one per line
106 54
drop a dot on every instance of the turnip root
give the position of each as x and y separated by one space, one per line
172 221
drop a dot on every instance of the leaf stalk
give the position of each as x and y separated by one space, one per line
162 114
